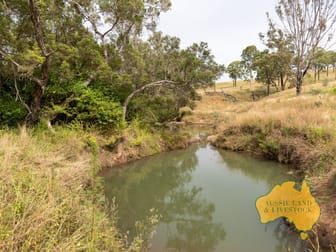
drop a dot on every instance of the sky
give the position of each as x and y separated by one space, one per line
228 26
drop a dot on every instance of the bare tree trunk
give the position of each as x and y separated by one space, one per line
153 84
268 88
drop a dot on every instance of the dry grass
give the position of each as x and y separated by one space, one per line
303 126
46 200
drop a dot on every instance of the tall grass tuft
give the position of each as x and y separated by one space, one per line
48 198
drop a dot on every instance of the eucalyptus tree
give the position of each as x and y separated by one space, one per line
114 21
281 45
174 74
309 23
235 71
267 68
319 62
29 40
248 57
333 60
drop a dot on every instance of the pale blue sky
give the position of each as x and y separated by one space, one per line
227 25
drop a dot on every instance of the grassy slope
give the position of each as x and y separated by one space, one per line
295 130
50 195
46 200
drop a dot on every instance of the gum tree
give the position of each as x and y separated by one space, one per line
309 23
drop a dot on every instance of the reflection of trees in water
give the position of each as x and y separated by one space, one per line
289 238
261 171
161 182
271 173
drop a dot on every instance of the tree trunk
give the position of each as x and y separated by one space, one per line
268 88
327 71
298 85
251 79
318 74
282 82
35 106
40 83
315 73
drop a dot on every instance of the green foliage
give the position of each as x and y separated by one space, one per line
317 134
11 111
249 56
79 103
332 91
155 109
270 147
92 107
235 71
78 62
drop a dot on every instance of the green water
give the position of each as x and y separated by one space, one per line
206 199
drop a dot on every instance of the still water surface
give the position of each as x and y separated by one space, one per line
206 199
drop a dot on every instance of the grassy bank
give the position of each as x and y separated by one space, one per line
299 131
51 197
292 130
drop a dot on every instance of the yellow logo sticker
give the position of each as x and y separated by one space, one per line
299 207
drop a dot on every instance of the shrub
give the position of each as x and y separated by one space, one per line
89 107
11 112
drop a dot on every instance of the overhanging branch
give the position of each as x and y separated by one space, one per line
153 84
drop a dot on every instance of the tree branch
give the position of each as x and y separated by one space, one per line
6 56
18 96
153 84
35 17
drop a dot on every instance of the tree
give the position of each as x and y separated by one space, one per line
235 71
30 44
281 45
114 21
267 68
249 56
308 23
172 76
319 62
328 60
333 60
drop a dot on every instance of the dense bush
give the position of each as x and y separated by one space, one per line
11 110
79 103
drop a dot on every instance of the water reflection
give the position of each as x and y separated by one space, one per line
199 192
165 186
263 172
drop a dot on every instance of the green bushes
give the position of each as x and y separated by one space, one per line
157 109
79 103
93 107
11 111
